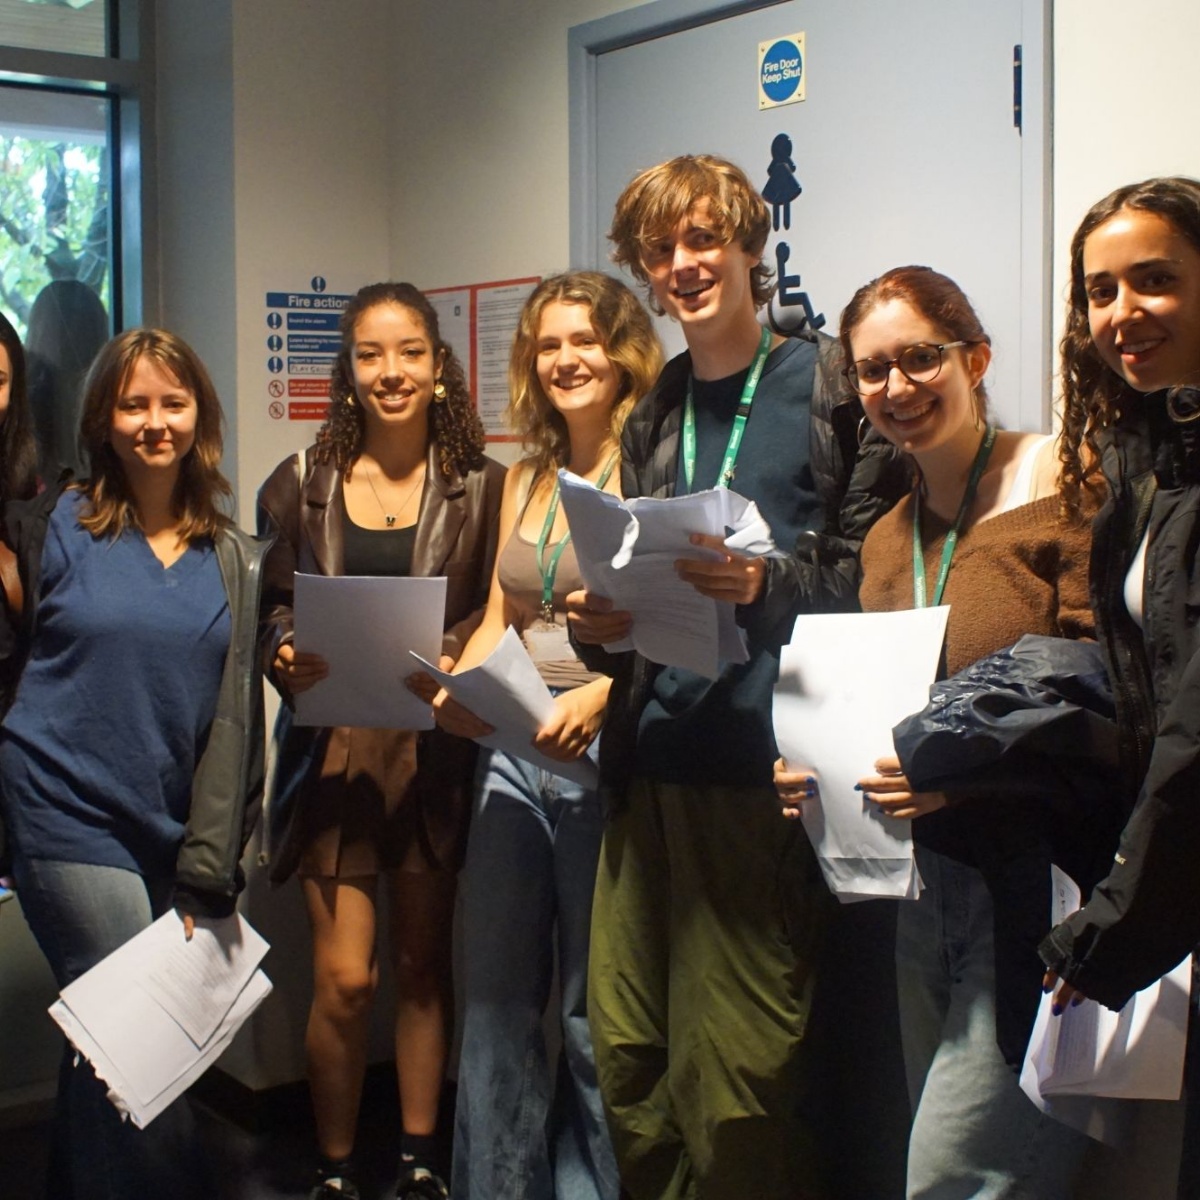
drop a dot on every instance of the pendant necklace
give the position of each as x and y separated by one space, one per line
389 519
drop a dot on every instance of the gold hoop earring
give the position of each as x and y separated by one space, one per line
439 392
350 401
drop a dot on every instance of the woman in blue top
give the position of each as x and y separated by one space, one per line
130 761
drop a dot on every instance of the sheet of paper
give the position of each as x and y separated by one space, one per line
197 982
1078 1065
506 691
119 1092
132 1022
365 627
844 681
627 552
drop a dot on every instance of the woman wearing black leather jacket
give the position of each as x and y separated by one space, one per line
1131 372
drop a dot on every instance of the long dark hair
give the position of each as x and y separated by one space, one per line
454 425
18 447
1092 391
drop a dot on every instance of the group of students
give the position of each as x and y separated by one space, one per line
684 914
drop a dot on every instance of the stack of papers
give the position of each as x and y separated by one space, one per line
159 1011
627 549
507 692
1080 1063
844 681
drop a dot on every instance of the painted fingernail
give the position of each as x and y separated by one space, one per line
1056 1009
858 787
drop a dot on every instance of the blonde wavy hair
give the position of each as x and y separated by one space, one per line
627 337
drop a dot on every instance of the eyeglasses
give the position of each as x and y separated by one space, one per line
918 364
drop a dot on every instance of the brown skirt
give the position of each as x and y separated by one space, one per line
361 815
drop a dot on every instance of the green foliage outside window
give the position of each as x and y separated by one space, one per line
54 220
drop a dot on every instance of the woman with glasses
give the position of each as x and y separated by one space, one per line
982 532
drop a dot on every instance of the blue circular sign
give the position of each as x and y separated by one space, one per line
274 365
274 320
274 342
782 70
318 283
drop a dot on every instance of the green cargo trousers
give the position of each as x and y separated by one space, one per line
707 917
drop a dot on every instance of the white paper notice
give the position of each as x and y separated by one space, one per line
137 1025
506 691
1078 1065
844 681
627 551
364 628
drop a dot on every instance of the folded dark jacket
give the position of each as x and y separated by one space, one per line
1037 716
1024 744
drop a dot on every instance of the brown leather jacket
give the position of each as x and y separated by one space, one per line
457 535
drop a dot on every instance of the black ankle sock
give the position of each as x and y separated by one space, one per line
334 1168
417 1149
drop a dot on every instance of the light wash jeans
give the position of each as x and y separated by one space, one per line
530 872
975 1135
79 913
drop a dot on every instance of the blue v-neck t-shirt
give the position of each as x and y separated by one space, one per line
115 703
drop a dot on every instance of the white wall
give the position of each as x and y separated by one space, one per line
479 181
1125 105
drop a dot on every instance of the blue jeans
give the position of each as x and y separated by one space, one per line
530 871
975 1135
79 913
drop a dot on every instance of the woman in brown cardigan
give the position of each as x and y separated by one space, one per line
987 505
396 484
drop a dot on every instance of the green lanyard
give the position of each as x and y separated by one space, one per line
739 422
550 569
977 469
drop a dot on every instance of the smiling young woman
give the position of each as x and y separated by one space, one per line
139 632
584 354
1131 372
397 484
981 531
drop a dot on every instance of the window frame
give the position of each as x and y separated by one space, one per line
127 77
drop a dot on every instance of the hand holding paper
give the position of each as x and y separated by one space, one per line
844 681
364 628
506 691
630 552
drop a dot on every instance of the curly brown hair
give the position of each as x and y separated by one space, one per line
629 342
655 201
454 424
1093 393
201 488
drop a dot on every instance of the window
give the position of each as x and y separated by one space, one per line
72 149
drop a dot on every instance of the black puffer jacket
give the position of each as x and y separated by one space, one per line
1144 917
856 485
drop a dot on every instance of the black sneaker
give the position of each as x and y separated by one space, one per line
337 1187
420 1183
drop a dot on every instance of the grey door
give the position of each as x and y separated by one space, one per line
905 148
